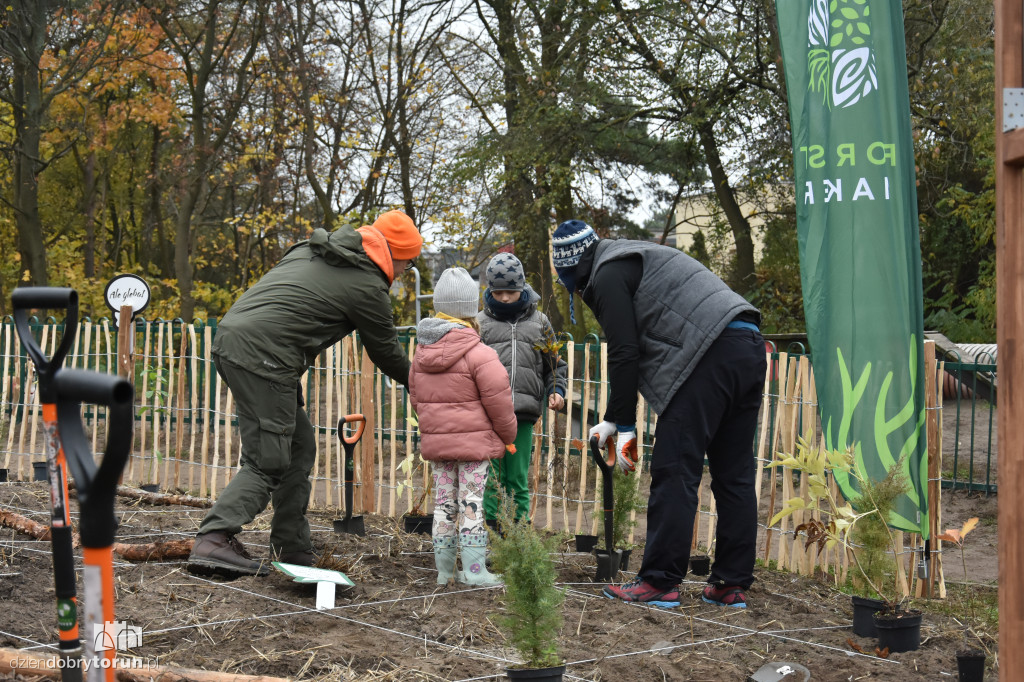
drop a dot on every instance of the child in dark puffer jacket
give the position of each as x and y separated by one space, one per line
511 324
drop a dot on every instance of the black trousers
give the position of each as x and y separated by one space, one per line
714 412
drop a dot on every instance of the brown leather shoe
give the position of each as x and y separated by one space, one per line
306 558
221 553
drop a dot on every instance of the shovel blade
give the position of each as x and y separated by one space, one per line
351 526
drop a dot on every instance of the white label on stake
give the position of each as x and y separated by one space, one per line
325 595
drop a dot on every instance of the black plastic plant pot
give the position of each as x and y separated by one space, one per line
700 565
3 475
607 565
898 631
536 674
418 523
150 487
40 471
586 543
970 665
624 562
863 611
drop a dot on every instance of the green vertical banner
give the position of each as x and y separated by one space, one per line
860 255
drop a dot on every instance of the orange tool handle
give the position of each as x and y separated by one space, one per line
351 419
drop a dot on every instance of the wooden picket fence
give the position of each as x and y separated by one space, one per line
186 438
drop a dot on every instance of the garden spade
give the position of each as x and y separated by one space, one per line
606 466
50 298
96 488
350 524
607 561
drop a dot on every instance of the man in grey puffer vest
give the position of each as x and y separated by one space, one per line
691 346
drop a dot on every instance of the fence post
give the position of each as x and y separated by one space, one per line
933 409
367 444
126 344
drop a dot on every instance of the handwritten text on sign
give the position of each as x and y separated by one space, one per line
127 290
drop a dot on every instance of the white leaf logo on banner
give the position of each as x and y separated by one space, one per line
840 61
853 75
817 24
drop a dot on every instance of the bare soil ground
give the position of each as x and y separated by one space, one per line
397 624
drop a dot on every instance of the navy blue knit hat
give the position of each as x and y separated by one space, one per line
568 243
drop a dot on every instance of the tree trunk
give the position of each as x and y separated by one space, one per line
183 246
28 115
87 166
153 222
742 278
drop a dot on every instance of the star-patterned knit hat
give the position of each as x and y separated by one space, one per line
505 273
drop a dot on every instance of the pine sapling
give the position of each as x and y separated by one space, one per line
533 604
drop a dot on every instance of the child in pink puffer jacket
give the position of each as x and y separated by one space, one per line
461 394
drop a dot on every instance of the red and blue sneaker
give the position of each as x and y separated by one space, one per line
721 595
639 590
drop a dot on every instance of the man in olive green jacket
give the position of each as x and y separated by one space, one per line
320 291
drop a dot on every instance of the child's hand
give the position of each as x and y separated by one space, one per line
556 402
511 447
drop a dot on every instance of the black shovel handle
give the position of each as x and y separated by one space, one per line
349 443
97 487
24 299
606 464
607 467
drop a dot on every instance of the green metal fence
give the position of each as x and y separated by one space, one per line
969 426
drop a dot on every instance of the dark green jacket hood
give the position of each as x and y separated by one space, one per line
343 246
322 290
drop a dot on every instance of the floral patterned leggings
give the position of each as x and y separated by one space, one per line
459 488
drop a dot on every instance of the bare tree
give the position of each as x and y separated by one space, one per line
217 42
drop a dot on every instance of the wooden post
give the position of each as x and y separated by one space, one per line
126 344
1009 59
933 406
126 367
783 384
585 453
567 443
367 444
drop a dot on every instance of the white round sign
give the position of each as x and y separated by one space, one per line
126 290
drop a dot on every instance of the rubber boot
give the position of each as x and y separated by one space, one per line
445 549
474 562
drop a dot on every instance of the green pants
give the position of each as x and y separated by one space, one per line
278 451
511 472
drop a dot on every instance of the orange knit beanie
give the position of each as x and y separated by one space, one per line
400 232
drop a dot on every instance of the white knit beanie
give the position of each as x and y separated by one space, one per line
457 294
